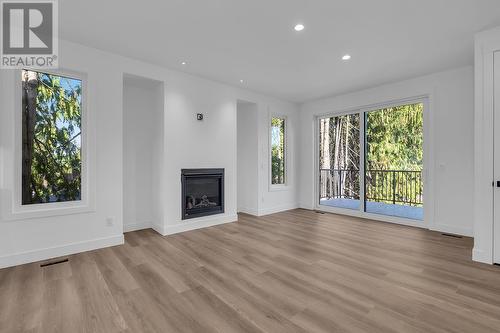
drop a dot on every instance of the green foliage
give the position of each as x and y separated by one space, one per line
395 138
395 142
56 150
277 151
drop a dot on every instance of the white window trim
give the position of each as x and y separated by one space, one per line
428 159
285 186
87 202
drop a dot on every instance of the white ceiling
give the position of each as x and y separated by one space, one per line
254 40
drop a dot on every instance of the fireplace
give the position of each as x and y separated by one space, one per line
202 192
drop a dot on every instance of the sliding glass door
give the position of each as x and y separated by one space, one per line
394 161
339 161
372 161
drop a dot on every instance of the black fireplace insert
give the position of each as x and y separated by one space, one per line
202 192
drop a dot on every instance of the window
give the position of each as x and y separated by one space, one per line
394 165
339 160
51 138
372 160
278 151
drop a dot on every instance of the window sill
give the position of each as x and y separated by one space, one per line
278 188
47 210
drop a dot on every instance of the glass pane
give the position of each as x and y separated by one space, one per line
278 151
203 192
51 150
394 161
339 149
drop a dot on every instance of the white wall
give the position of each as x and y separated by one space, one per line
248 149
451 110
285 198
28 239
142 142
188 143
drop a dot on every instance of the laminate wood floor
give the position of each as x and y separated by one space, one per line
296 271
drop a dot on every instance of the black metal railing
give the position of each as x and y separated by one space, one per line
336 183
389 186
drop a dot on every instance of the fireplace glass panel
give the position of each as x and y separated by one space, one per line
202 192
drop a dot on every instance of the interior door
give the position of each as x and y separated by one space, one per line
496 212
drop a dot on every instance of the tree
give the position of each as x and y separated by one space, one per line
394 138
339 156
394 141
277 151
51 138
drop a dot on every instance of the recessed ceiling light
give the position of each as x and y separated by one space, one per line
346 57
183 63
299 27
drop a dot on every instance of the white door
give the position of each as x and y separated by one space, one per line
496 212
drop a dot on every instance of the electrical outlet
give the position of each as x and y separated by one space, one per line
110 221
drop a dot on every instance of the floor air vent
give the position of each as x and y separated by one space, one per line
54 262
450 235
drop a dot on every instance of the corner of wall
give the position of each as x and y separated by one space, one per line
481 256
277 209
137 226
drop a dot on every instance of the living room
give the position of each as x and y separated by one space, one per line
224 166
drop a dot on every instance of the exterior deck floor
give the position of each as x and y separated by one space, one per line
399 210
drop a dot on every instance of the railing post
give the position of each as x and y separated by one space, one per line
340 184
393 187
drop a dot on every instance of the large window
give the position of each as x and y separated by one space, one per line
51 138
278 151
373 161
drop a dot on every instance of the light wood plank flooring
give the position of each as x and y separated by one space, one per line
297 271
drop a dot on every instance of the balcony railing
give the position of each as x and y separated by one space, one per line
388 186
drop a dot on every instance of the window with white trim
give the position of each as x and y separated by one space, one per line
51 138
278 151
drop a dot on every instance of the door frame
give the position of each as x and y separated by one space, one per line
496 157
428 159
486 44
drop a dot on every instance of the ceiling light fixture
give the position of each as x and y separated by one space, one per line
241 81
299 27
346 57
183 63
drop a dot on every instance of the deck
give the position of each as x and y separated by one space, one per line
399 210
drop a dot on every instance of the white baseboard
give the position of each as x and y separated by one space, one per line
480 256
306 206
277 209
202 222
249 211
450 229
136 226
159 229
58 251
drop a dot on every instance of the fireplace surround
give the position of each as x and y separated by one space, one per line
202 192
